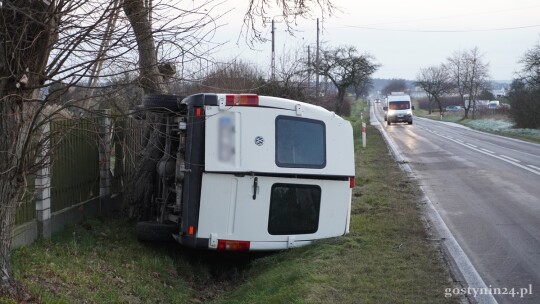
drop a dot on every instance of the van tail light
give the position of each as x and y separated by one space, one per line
351 182
233 245
242 100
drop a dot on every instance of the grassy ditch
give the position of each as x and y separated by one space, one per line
387 258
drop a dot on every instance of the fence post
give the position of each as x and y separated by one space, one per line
43 187
105 147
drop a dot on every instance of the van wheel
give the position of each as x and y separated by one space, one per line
388 122
156 232
162 103
410 122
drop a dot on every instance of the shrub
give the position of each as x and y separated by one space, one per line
525 105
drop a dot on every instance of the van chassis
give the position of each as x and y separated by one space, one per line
166 205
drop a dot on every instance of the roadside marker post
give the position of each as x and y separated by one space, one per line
363 134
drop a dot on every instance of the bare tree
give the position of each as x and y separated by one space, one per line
470 75
292 76
290 10
362 89
435 80
525 91
49 47
530 72
345 68
29 31
237 76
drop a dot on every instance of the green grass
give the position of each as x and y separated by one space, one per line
497 125
448 116
386 258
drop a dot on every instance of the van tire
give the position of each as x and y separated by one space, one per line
163 103
156 232
410 122
388 122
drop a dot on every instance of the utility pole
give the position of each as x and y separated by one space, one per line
309 69
317 65
273 51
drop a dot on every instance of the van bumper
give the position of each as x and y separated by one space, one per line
404 118
204 243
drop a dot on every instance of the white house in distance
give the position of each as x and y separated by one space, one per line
499 93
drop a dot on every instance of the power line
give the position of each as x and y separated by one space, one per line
436 31
454 16
375 26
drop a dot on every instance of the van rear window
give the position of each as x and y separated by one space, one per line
300 143
294 209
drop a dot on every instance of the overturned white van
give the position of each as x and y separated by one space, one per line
248 172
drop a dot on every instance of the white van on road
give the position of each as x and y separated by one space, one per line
251 173
398 108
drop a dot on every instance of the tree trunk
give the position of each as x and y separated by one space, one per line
28 32
141 187
439 105
466 115
16 156
9 203
150 79
340 98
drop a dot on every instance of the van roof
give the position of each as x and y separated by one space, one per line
399 98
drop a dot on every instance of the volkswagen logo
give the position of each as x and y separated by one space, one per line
259 140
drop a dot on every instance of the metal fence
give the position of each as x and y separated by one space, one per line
127 142
26 211
75 162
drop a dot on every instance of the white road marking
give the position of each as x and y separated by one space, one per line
486 150
505 158
471 145
534 167
512 159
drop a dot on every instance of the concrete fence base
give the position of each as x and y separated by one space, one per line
46 222
29 232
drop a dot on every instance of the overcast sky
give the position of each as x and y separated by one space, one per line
405 36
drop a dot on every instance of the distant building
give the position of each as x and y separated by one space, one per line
499 93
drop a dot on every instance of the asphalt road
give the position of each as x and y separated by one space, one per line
487 190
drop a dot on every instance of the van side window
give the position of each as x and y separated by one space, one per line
300 143
294 209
